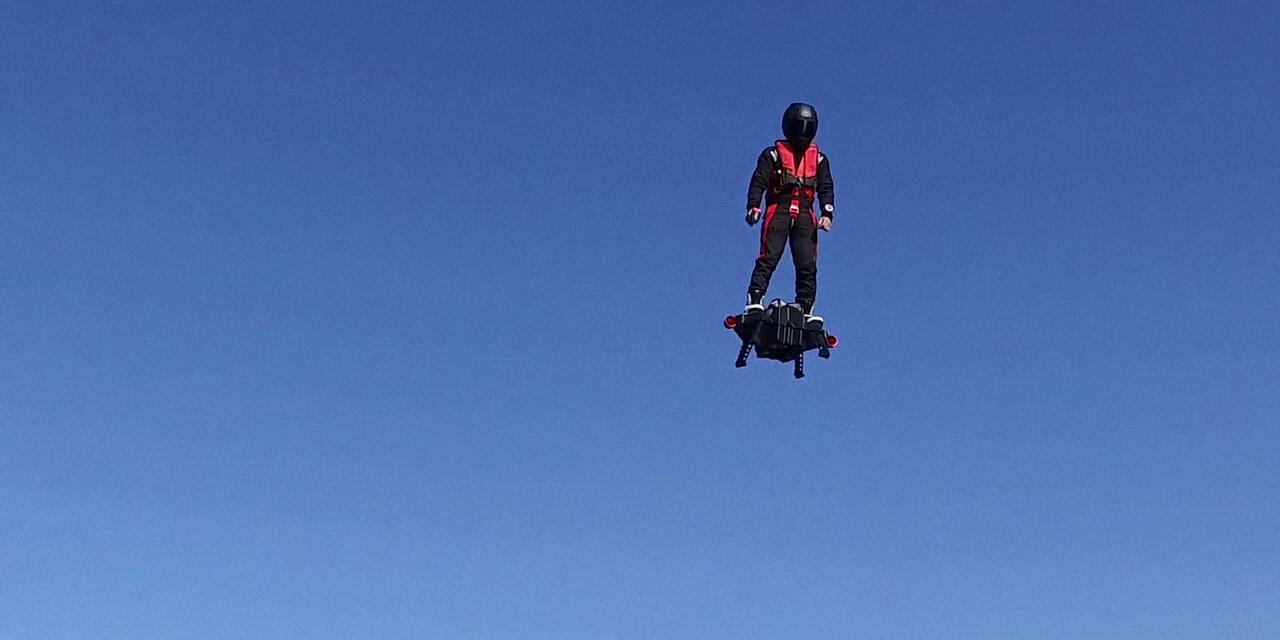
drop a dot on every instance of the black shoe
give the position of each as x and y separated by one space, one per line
753 301
807 307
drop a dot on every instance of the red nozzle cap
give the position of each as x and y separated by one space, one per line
730 322
832 340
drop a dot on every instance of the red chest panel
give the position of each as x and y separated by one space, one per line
797 176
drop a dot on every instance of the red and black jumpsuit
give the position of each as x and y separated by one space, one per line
789 182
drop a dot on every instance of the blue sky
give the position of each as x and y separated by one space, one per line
402 321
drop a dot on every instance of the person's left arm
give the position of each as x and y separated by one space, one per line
826 192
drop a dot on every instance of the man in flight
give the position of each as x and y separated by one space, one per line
789 174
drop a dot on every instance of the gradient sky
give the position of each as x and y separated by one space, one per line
402 320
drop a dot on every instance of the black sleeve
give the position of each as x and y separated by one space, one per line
826 188
760 179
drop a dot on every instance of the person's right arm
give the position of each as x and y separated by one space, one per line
759 183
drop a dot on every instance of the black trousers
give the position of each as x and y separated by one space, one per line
802 232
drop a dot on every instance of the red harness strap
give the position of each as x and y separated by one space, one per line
801 178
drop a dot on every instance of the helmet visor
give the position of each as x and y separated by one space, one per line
801 129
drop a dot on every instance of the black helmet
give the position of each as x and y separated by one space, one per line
800 124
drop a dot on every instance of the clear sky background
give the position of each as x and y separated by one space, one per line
402 320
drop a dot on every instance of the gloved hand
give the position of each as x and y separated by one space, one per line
753 216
